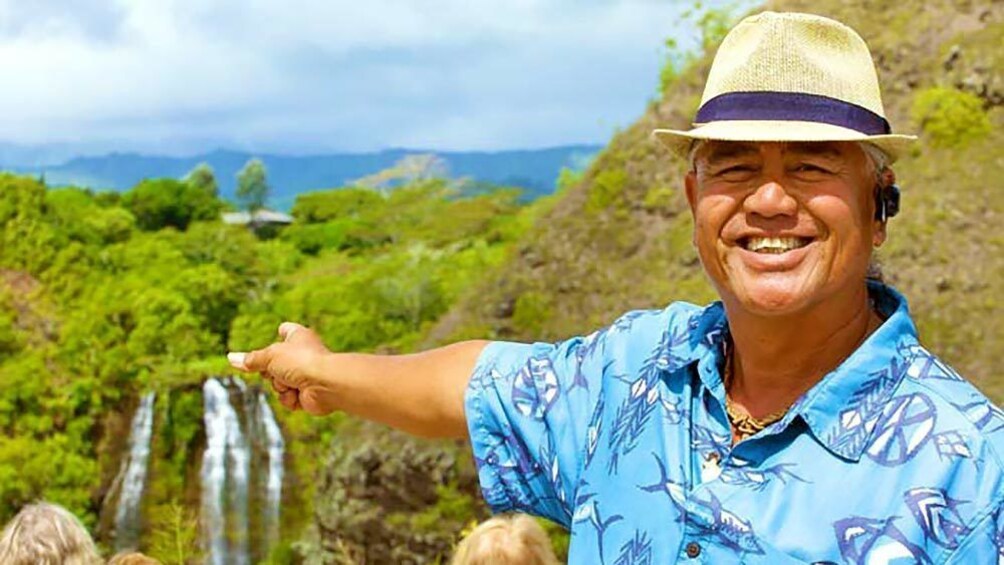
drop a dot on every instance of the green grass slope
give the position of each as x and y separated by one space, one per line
621 239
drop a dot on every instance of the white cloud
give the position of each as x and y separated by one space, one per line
299 75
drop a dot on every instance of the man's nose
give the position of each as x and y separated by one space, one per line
771 199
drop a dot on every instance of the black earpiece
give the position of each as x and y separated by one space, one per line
886 202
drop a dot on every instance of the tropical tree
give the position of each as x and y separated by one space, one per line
203 178
158 203
252 185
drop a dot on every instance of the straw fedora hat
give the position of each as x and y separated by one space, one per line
791 77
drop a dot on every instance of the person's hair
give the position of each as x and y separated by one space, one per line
878 158
47 534
132 558
504 540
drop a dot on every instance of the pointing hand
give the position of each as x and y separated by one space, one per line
294 367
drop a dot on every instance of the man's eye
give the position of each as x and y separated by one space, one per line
810 168
735 170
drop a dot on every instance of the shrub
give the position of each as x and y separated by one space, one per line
567 178
11 340
326 205
712 24
310 239
607 189
658 197
77 214
158 203
950 117
531 311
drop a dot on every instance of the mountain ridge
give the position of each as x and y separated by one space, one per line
534 170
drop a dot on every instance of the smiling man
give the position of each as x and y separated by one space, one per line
797 420
785 232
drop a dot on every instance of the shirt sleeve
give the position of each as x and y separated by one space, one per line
529 408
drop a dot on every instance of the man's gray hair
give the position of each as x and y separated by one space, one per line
878 158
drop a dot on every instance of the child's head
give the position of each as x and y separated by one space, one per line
512 539
47 534
132 558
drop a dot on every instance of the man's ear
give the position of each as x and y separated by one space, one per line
887 177
879 234
690 187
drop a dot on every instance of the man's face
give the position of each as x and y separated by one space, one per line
781 227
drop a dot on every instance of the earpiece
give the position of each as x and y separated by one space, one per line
886 202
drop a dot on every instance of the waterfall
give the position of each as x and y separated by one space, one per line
133 476
242 473
275 447
225 470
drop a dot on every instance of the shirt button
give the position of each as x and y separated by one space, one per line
711 467
693 550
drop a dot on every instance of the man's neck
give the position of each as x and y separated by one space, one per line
777 359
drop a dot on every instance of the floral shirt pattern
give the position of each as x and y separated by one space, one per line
622 437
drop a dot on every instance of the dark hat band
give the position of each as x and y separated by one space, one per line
791 106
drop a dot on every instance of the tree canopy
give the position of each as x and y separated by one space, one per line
203 178
252 185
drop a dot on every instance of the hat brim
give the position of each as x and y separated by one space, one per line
680 141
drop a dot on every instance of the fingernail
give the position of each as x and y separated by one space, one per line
286 330
237 360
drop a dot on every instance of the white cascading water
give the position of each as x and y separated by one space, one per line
225 470
133 476
275 447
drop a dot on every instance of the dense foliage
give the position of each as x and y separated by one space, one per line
103 296
96 310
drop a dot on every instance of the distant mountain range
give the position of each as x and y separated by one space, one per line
535 170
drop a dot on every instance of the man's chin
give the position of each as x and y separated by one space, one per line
773 296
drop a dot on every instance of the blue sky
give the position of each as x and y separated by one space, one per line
298 76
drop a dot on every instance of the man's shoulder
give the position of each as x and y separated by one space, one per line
673 314
962 409
679 322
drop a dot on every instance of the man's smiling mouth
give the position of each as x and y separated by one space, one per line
773 245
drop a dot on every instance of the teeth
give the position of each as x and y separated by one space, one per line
774 244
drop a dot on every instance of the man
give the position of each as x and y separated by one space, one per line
797 420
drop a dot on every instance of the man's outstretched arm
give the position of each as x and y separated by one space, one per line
420 393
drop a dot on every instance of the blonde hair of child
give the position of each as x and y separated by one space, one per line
503 540
47 534
132 558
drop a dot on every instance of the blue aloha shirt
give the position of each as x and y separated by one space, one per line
622 437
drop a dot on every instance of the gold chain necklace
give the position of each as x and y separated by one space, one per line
746 425
743 423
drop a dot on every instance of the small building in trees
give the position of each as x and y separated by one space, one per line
258 219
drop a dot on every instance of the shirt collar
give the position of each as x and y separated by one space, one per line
707 331
843 408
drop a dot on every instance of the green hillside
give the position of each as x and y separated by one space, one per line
620 239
